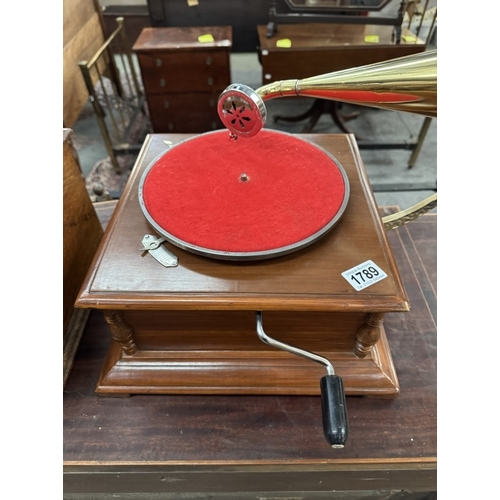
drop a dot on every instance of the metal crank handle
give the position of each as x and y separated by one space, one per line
334 410
333 403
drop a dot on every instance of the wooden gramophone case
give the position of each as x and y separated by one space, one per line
191 329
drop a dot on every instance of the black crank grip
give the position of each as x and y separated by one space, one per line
334 410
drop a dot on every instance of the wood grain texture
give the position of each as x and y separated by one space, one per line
184 77
307 280
182 38
193 111
306 300
265 443
190 366
82 230
322 48
82 233
76 13
85 42
202 70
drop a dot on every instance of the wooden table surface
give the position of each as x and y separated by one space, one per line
317 48
189 445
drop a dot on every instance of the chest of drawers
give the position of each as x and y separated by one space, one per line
184 70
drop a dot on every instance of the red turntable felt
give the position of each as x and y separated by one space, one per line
243 199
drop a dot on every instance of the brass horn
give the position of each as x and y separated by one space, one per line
404 84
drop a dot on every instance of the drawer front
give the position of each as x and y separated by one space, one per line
184 113
185 71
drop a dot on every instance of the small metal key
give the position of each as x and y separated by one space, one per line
153 245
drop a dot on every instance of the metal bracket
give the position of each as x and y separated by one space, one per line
311 356
153 245
404 216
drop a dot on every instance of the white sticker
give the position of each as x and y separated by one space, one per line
364 275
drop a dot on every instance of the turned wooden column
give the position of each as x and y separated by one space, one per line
368 334
120 331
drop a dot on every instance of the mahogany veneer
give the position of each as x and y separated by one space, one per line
318 48
191 329
257 446
182 76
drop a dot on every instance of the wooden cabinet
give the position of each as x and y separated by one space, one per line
184 70
82 233
191 328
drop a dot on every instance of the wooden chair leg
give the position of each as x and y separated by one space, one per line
310 112
337 119
314 113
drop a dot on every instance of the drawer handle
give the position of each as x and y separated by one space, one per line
210 81
162 82
333 403
208 60
166 104
158 62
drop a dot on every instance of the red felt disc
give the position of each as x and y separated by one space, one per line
247 198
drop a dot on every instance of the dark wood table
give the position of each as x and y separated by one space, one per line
320 48
317 48
184 446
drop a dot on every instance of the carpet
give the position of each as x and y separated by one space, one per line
127 122
104 182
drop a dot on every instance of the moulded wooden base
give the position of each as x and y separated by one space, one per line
244 372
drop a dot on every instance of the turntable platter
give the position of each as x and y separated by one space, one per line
243 199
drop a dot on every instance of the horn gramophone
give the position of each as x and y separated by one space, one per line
253 229
405 84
